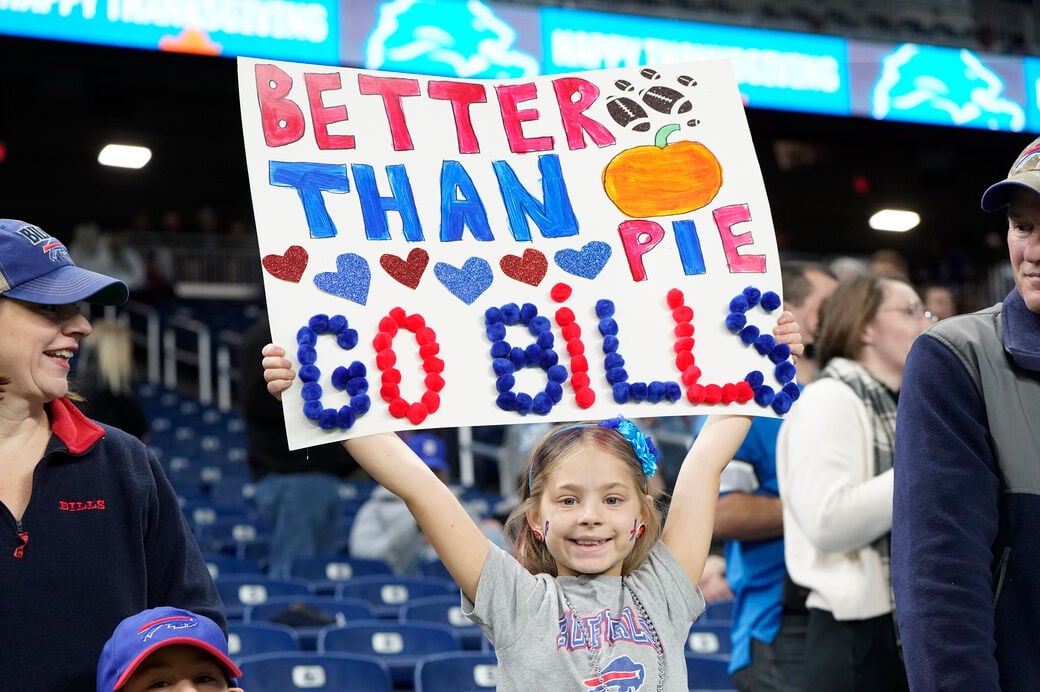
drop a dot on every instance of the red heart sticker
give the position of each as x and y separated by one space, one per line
407 272
530 269
287 267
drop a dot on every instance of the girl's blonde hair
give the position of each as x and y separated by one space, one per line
546 456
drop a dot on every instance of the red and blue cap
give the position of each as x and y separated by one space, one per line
1024 174
138 636
36 267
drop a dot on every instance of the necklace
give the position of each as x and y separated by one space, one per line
594 653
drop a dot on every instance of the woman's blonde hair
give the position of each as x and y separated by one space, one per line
546 456
112 349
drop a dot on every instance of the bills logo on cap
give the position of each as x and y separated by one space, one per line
51 245
171 622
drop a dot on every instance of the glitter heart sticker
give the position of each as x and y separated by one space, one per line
529 269
287 267
465 283
351 279
587 262
406 271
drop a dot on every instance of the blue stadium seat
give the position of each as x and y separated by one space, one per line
241 590
220 565
247 639
295 611
709 638
461 671
708 672
721 611
445 610
398 644
314 672
325 573
389 593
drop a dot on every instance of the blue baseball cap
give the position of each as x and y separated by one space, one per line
136 637
36 267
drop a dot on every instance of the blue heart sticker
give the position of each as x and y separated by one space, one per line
586 262
350 280
466 283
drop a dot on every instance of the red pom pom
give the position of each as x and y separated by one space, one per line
684 343
434 382
712 394
674 298
571 331
382 341
691 374
682 314
415 322
695 393
744 392
729 393
564 316
683 360
433 364
388 325
417 413
391 376
684 329
432 401
427 350
560 292
575 347
585 397
389 392
398 408
425 335
579 363
400 316
385 358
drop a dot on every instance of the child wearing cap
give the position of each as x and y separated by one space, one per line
169 648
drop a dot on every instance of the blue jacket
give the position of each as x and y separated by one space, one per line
102 538
966 522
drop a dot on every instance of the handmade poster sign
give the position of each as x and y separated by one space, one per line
442 252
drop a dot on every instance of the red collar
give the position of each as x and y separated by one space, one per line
78 432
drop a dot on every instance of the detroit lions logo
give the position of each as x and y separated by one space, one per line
620 675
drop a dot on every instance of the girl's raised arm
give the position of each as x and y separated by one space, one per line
691 513
459 542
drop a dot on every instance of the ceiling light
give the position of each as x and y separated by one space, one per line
124 156
895 220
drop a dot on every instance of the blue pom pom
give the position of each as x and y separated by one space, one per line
539 325
621 392
755 379
608 326
502 366
546 339
347 339
527 312
311 391
748 334
764 395
610 343
360 403
495 332
613 360
306 337
638 391
672 391
340 377
337 323
306 355
500 349
784 372
524 403
510 313
312 409
505 383
517 358
557 373
752 295
780 353
792 390
345 417
770 301
655 391
542 403
506 401
738 304
604 308
357 369
765 343
781 403
555 391
309 373
493 315
319 323
357 385
616 375
549 359
735 321
327 419
532 354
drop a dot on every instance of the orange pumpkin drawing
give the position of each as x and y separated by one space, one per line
663 179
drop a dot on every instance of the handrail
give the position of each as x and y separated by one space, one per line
201 358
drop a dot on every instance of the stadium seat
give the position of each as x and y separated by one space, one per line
307 614
445 610
247 639
324 574
314 672
398 644
708 672
458 671
709 638
388 593
720 611
220 565
241 590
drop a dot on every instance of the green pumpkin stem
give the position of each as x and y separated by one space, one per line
661 139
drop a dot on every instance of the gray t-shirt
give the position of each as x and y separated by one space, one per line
539 645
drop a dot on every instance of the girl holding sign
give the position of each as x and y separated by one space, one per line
598 592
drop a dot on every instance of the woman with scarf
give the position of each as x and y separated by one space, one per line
834 464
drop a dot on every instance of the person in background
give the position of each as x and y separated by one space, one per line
107 386
90 527
768 635
297 492
965 552
890 263
939 300
834 465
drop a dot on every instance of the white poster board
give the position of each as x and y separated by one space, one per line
442 252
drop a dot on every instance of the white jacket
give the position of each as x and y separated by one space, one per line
834 507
